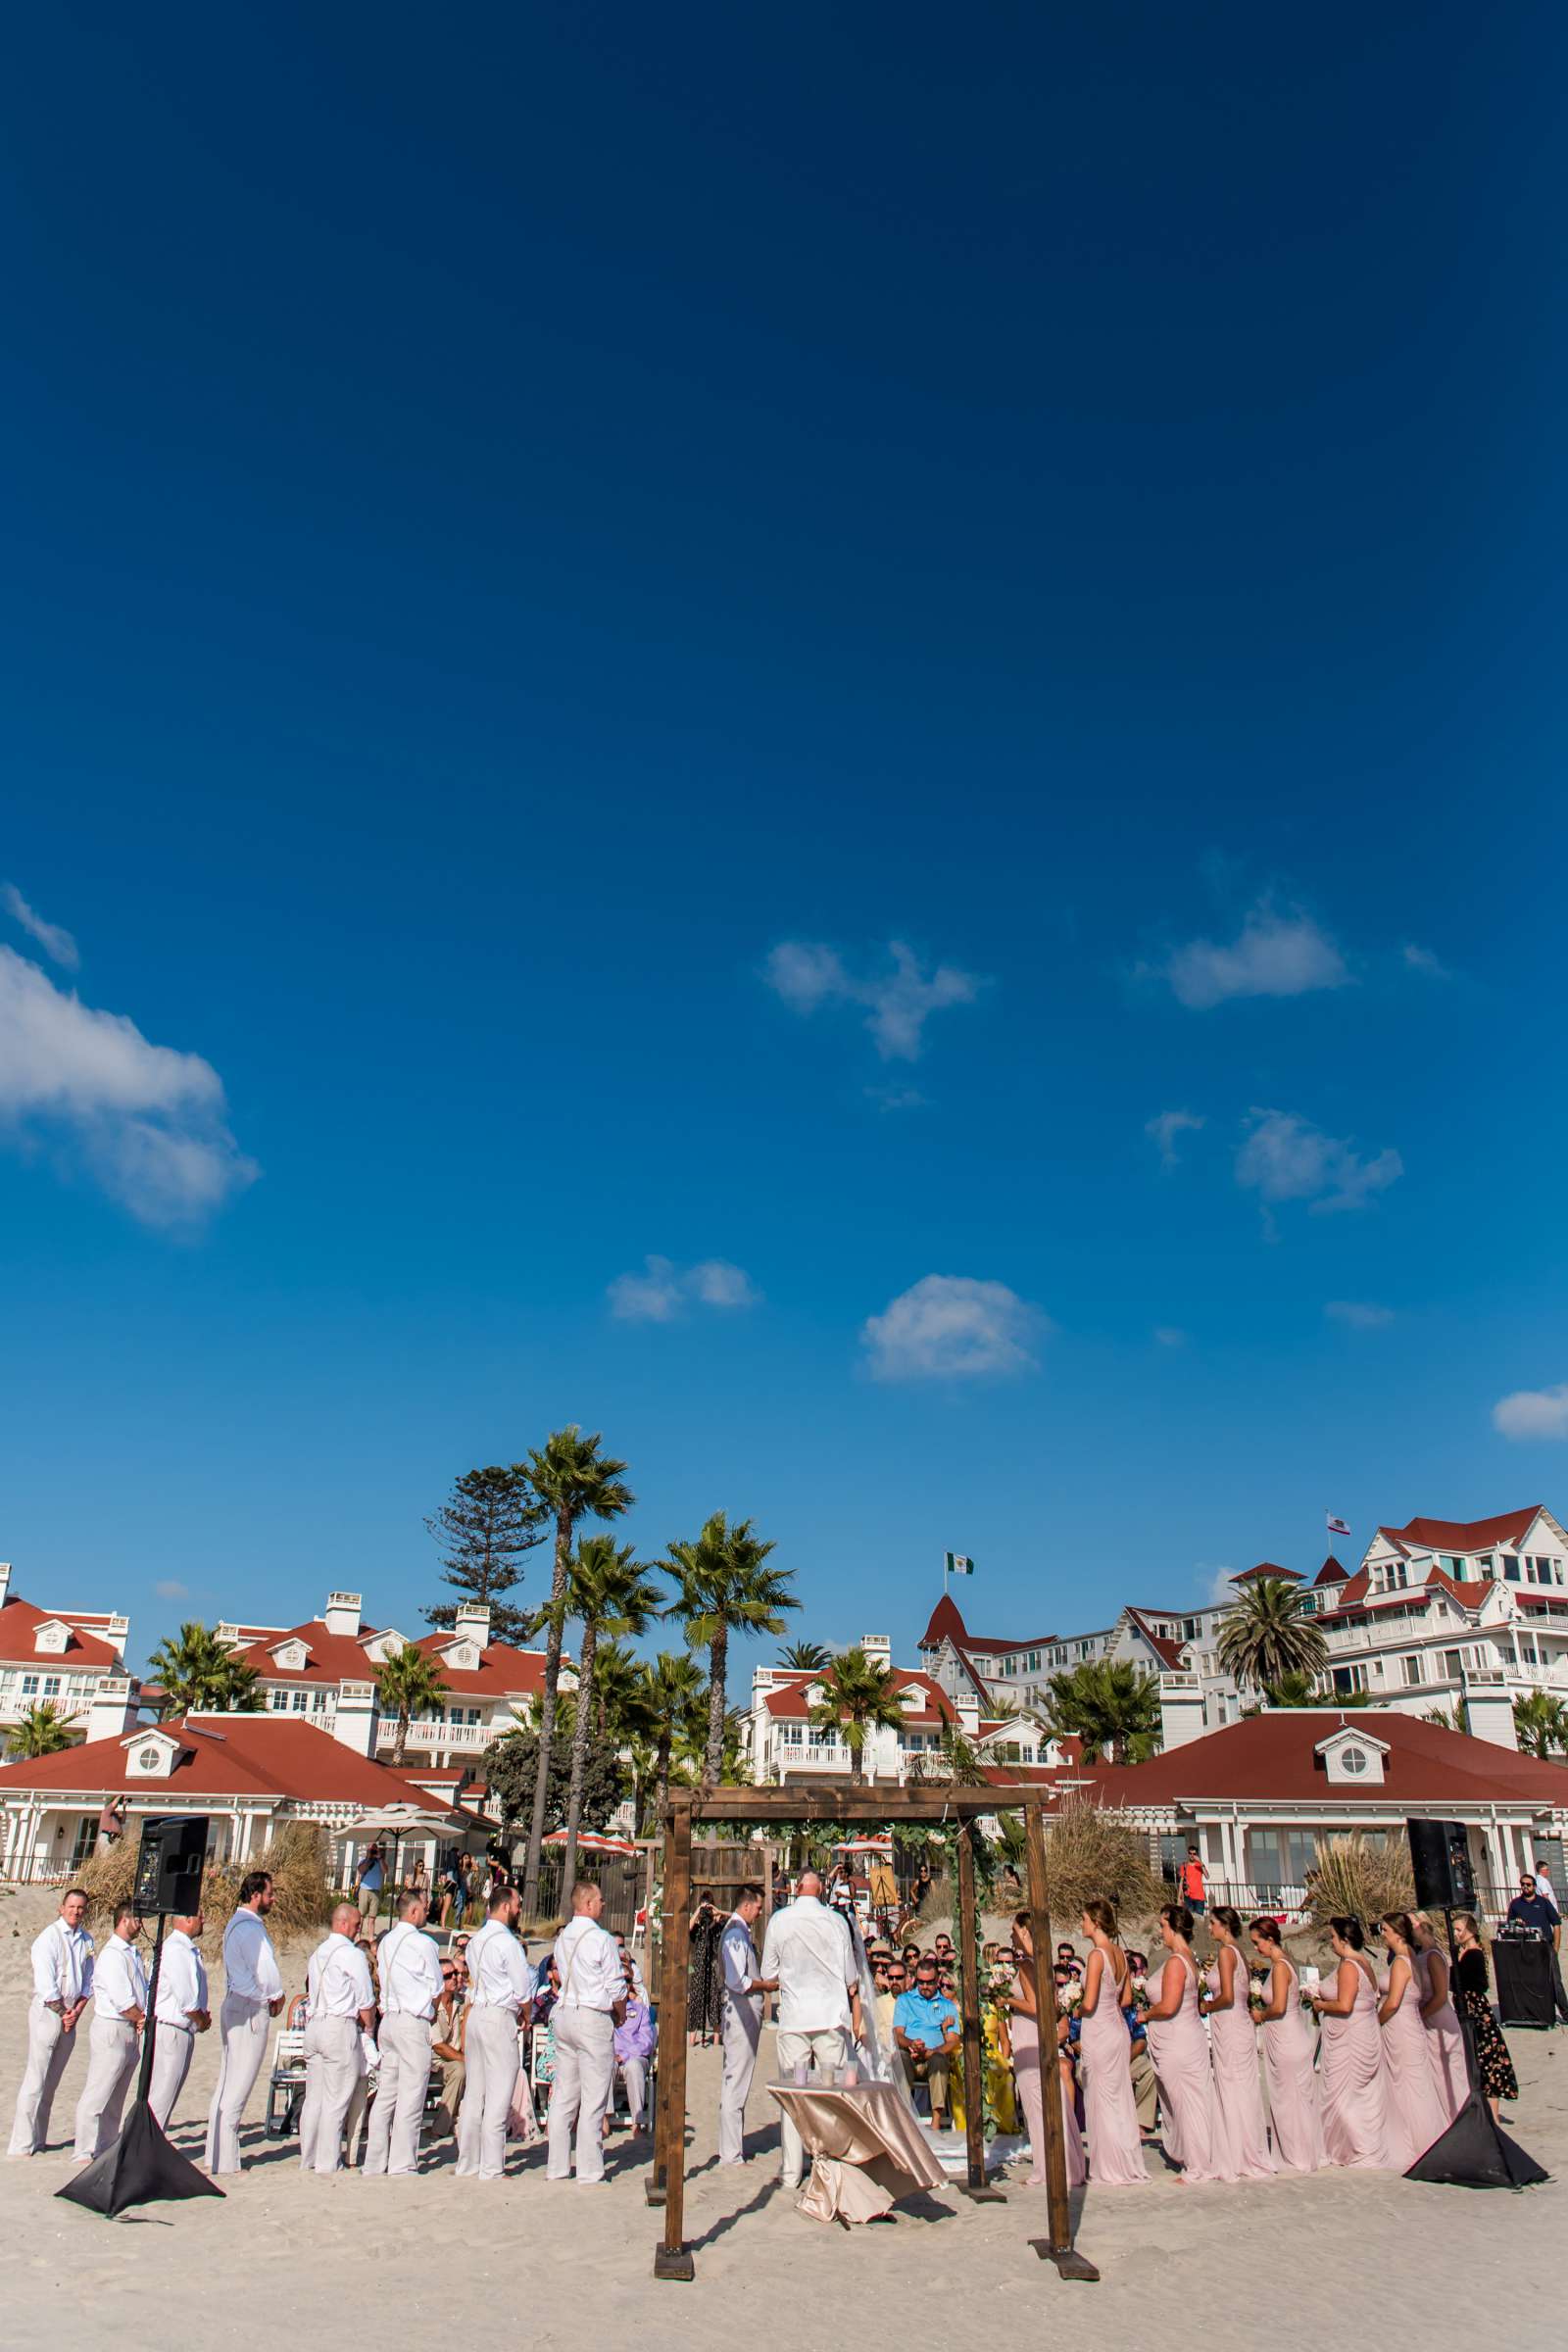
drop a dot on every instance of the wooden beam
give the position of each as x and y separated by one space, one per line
974 2088
1057 2247
672 2260
826 1802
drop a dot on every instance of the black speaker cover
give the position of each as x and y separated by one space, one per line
170 1863
1522 1969
140 2169
1475 2153
1440 1860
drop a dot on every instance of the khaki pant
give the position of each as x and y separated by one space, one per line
401 2082
1145 2090
112 2054
454 2074
334 2065
172 2052
49 2048
828 2047
741 2032
242 2029
490 2056
585 2078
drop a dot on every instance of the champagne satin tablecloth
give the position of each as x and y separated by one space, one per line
866 2149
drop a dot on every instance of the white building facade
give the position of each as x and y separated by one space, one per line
54 1657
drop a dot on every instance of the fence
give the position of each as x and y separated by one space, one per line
1253 1897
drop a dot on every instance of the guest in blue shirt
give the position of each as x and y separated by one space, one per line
925 2026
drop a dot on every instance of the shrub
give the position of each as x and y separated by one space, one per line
296 1856
1357 1877
1091 1851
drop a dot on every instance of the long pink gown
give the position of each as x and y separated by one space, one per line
1110 2109
1444 2040
1238 2089
1418 2103
1359 2123
1288 2053
1026 2070
1180 2050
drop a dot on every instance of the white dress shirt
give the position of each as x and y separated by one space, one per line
589 1966
742 1967
410 1972
119 1978
807 1949
63 1964
337 1982
250 1964
499 1974
182 1981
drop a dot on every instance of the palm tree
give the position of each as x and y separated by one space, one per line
1292 1691
408 1682
859 1698
618 1695
672 1702
200 1673
1450 1719
573 1481
954 1759
725 1587
805 1657
1541 1724
1112 1705
610 1592
40 1731
1269 1632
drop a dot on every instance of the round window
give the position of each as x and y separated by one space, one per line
1352 1759
150 1758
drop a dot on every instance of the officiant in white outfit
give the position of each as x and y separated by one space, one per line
742 2024
807 1956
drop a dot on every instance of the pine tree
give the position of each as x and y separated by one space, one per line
492 1518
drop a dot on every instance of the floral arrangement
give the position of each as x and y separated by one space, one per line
1069 1996
999 1983
1257 1992
1140 1986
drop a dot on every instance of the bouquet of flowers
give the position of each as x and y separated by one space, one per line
999 1983
1069 1996
1257 1992
1140 1986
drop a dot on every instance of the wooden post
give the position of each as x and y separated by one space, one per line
970 2011
672 2259
671 2006
1058 2247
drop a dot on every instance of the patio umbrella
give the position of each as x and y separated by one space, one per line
589 1843
402 1822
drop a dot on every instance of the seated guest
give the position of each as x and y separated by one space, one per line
635 2040
446 2043
925 2029
630 1960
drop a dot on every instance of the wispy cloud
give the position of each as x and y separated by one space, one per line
1165 1127
952 1327
1532 1413
1218 1590
171 1589
56 942
898 1000
149 1122
1278 953
662 1292
1287 1158
1424 959
1359 1314
1169 1335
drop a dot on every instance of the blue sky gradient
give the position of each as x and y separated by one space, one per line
539 559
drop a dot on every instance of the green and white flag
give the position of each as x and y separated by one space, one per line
955 1563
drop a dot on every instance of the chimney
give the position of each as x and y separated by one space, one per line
878 1647
355 1720
5 1580
968 1707
112 1709
1489 1708
1181 1709
342 1614
473 1619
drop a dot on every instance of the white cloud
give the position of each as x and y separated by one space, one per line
896 1003
1169 1335
171 1590
1275 955
1219 1592
1167 1126
1532 1413
56 942
950 1327
150 1122
1423 959
1287 1158
663 1291
1361 1314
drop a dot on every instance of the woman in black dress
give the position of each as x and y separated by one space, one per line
1473 1999
705 1984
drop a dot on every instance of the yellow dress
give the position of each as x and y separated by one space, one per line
1001 2106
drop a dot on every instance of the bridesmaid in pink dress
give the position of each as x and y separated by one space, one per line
1180 2049
1358 2123
1438 2015
1233 2050
1288 2053
1105 2054
1408 2045
1024 2031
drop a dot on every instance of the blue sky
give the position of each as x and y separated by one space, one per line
911 669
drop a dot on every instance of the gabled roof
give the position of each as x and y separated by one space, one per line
1331 1573
787 1701
1169 1653
331 1658
1462 1535
19 1622
223 1755
1274 1757
947 1625
1255 1576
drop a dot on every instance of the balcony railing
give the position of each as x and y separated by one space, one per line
423 1736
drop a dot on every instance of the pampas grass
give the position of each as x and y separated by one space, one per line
296 1856
1090 1851
1356 1879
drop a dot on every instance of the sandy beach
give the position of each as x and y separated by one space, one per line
327 2260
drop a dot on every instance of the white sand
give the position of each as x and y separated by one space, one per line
1322 2262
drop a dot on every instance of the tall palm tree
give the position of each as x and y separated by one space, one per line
1112 1705
40 1731
724 1587
618 1695
199 1672
673 1703
608 1590
1292 1691
805 1657
1269 1632
857 1697
954 1759
408 1682
1541 1724
573 1481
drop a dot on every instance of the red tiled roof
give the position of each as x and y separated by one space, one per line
1271 1757
948 1626
20 1621
1266 1568
226 1755
332 1658
1168 1652
1331 1573
1463 1534
787 1701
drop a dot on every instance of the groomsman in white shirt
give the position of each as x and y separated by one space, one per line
253 1993
807 1954
501 1987
62 1987
118 2013
181 2013
341 2006
411 1987
591 2005
742 2025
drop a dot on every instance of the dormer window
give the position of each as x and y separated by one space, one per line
290 1657
463 1658
1352 1759
51 1637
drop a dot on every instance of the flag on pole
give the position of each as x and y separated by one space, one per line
1337 1527
957 1564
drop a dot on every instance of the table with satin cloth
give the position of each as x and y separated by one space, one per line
866 2149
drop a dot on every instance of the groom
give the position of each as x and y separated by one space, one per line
809 1959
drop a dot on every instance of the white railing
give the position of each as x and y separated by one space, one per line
422 1736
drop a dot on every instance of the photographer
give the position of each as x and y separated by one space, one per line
704 1987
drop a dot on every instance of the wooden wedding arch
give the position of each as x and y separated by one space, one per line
830 1802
